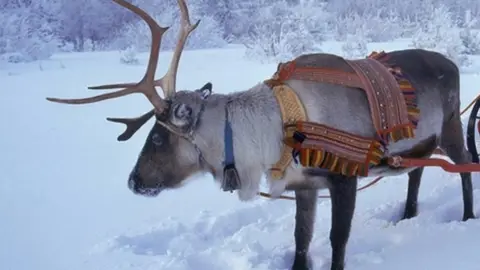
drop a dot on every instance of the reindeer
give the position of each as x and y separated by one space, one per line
189 135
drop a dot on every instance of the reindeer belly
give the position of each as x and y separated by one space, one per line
426 138
430 124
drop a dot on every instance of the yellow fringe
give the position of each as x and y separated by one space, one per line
334 163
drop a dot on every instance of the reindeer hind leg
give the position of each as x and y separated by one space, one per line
411 204
452 142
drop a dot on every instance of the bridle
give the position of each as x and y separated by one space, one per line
231 180
189 134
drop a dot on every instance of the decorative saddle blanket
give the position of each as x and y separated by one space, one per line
392 105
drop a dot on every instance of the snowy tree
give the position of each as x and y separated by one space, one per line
208 34
355 47
269 28
469 35
90 22
227 13
438 33
471 41
313 14
128 56
279 33
26 34
376 27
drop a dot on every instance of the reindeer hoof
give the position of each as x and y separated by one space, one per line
302 262
409 213
468 216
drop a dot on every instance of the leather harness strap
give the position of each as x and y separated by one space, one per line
292 110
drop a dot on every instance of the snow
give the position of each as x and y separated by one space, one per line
65 205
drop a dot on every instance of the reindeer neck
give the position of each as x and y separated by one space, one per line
256 124
256 134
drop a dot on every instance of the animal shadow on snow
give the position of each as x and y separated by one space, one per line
207 231
255 236
155 242
441 204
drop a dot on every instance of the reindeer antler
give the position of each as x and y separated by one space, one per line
168 82
133 124
147 85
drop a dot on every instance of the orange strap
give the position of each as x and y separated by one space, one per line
397 161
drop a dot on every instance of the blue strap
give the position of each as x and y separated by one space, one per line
228 137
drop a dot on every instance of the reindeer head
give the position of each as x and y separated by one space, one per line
169 154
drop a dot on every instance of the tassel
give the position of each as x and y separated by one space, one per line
231 180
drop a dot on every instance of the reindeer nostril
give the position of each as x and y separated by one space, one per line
136 185
133 181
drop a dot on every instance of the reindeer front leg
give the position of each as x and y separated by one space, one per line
306 201
343 191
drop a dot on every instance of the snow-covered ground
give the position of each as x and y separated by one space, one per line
65 205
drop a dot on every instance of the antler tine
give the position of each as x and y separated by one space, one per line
133 124
112 86
157 32
93 99
168 82
146 85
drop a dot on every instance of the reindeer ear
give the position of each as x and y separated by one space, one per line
206 90
182 115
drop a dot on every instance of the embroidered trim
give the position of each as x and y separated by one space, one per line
292 110
325 147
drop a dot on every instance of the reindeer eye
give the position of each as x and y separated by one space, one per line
157 139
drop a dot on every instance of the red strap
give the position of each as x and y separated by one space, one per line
434 162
